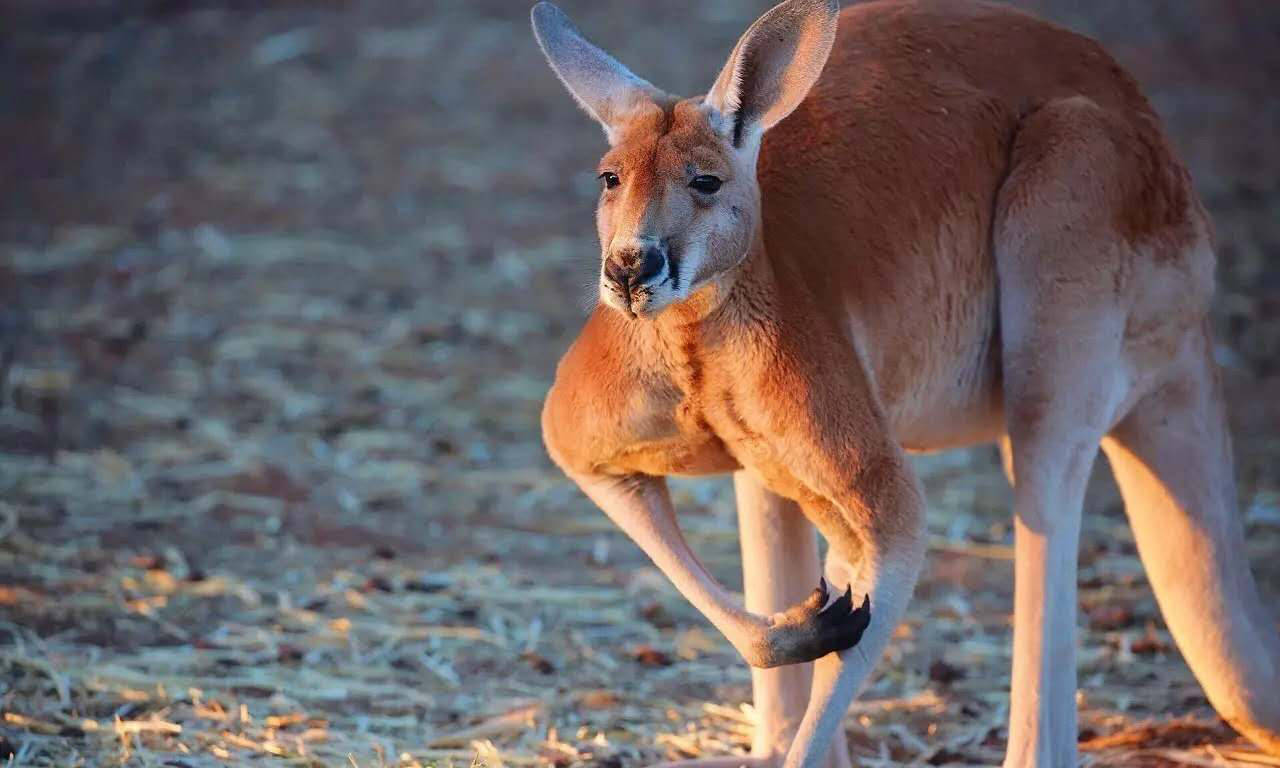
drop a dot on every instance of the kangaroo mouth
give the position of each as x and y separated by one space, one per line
634 299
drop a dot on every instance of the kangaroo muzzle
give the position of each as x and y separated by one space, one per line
634 269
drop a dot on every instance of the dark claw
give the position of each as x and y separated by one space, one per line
813 629
859 621
842 605
839 626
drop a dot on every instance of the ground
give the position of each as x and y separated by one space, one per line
282 285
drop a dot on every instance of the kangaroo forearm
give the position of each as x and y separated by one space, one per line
866 519
641 507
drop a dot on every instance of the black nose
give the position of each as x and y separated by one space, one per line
651 261
635 267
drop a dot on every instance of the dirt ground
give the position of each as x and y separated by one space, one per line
282 285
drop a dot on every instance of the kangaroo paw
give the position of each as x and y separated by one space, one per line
812 629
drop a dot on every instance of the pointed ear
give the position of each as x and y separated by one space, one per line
603 87
774 65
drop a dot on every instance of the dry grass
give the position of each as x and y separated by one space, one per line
379 658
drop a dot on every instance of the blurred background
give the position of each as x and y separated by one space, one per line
282 285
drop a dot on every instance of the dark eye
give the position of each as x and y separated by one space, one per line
706 184
610 179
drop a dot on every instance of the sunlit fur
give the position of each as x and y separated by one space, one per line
970 228
661 148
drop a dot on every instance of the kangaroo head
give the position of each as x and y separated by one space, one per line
679 202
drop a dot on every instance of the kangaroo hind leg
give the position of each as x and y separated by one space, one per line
1058 257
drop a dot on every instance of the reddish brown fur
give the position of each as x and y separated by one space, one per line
972 229
879 198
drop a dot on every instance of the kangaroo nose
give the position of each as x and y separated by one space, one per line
651 261
635 266
617 273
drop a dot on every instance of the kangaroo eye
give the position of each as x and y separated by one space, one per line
706 184
610 179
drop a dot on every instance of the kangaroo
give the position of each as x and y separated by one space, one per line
907 226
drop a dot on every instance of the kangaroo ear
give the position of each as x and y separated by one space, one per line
774 65
603 87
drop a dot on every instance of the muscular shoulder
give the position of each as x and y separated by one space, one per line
607 396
